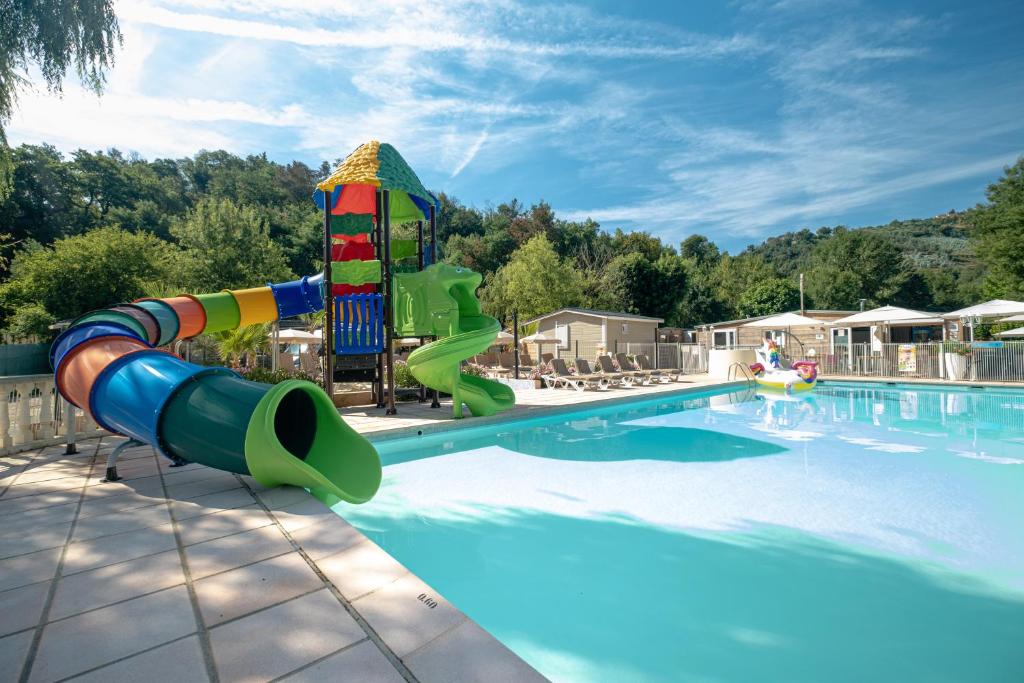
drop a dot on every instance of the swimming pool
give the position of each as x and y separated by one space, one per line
869 532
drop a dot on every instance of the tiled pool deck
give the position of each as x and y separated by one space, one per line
192 574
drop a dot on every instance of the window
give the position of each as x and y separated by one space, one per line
723 339
562 335
625 328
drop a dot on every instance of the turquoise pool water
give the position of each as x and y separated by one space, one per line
868 533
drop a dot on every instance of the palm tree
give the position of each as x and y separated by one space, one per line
243 342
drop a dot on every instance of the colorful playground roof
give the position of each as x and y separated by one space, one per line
380 165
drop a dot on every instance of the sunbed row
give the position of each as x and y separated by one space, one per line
608 375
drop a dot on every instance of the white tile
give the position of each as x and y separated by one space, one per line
20 608
468 654
31 568
102 636
255 586
178 662
407 614
233 551
105 585
100 552
360 569
12 653
304 629
326 537
199 529
362 663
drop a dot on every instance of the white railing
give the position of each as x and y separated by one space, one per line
33 415
1001 362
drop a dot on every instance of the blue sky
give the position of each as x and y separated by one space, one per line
737 120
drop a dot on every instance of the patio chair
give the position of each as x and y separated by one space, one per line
506 364
546 358
560 376
608 369
583 367
525 361
627 365
286 361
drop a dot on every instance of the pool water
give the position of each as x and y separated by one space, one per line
866 533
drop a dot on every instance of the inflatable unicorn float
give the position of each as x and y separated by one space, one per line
775 372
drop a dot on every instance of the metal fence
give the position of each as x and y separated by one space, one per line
984 361
690 358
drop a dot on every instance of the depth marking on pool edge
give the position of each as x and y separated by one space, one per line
427 600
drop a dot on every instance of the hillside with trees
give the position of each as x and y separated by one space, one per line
91 228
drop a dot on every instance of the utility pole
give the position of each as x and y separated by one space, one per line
803 311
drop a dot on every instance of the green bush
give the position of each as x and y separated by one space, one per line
403 376
266 376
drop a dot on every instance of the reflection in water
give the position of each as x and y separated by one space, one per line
862 533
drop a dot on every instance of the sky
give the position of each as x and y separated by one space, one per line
735 119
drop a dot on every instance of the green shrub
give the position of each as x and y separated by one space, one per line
265 376
403 376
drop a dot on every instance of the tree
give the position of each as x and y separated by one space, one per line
85 272
52 35
226 246
768 297
242 343
997 231
633 284
853 265
534 281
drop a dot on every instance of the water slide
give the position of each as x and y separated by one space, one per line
107 363
441 301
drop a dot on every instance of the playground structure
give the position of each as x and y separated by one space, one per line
385 288
108 363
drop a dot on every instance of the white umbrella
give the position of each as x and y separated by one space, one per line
538 338
504 337
1015 332
888 315
292 336
989 309
1013 319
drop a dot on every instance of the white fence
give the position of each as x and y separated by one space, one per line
978 362
33 415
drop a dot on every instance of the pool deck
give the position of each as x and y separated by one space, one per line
193 574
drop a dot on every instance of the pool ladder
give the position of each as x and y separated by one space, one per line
736 370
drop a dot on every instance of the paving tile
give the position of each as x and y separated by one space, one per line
18 505
17 490
117 522
12 653
48 473
299 515
305 629
95 638
468 654
192 472
100 552
360 569
178 662
408 614
194 489
226 553
26 569
211 503
50 536
101 505
38 517
247 589
199 529
280 497
327 537
20 608
105 585
151 486
362 663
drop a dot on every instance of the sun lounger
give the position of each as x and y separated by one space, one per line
560 376
627 365
627 379
670 375
583 367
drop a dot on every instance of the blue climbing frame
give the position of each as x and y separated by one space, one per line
358 324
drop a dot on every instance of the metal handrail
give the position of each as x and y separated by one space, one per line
732 376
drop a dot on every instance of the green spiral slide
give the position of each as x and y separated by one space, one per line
440 301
